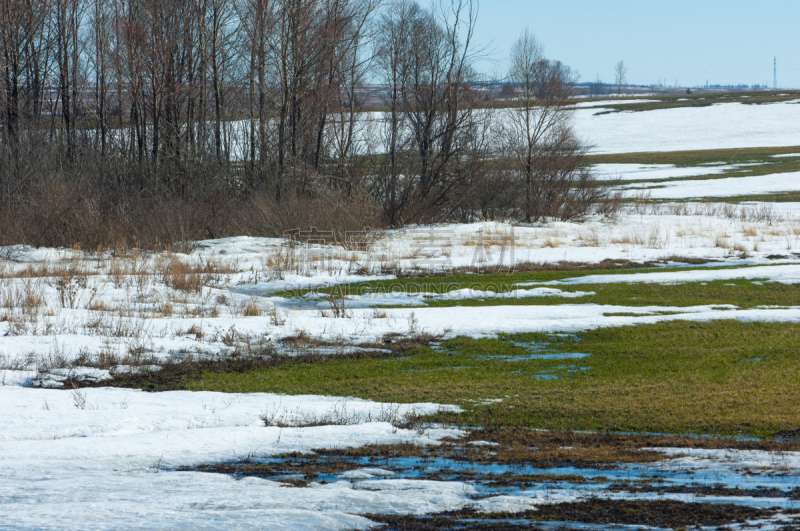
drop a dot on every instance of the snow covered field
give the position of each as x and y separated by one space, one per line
108 465
106 457
718 126
730 187
655 172
111 464
67 304
110 456
114 462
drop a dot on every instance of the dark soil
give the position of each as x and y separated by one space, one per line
174 374
294 465
706 490
559 438
664 513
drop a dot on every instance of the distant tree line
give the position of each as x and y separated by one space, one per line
156 121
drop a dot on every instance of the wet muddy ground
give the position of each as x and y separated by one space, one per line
590 514
569 480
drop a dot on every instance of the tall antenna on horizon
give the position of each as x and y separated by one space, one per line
775 72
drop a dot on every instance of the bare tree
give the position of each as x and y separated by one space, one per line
352 58
67 17
221 37
430 83
122 120
394 31
620 71
100 47
539 137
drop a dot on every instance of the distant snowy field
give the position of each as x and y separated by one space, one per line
656 172
719 126
725 187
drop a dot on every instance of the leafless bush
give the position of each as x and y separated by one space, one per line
640 202
337 299
73 290
78 399
180 275
249 309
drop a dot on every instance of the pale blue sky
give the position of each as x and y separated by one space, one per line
691 41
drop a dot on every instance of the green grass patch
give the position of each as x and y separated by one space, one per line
497 282
743 293
442 284
785 197
720 377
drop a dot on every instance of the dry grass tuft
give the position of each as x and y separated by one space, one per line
27 295
592 239
377 313
197 331
740 248
166 309
553 243
750 231
181 276
657 239
251 309
628 239
98 306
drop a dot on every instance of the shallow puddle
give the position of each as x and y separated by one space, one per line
551 356
708 479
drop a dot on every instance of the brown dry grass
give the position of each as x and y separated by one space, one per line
553 243
750 231
177 273
629 239
27 295
740 248
251 309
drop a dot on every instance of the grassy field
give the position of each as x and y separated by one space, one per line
501 281
743 293
722 377
740 292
